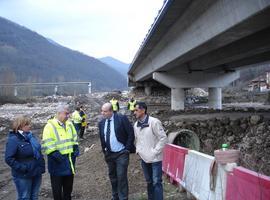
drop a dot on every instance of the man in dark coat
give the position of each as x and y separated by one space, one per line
117 141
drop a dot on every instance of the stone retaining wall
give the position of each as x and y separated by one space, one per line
249 134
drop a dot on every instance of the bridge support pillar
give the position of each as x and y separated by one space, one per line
215 98
148 90
177 99
213 81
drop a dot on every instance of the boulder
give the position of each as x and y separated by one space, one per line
255 119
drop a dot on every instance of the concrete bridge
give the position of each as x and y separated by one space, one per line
202 44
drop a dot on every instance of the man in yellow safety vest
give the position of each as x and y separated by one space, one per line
60 144
131 105
77 119
115 104
84 122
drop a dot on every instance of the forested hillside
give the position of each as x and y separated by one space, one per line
26 56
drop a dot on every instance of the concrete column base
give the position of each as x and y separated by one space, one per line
215 98
148 90
177 99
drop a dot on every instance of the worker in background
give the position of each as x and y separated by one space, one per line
131 105
150 140
77 119
60 144
115 104
84 123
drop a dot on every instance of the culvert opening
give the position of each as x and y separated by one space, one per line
185 138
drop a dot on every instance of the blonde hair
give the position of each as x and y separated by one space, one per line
20 122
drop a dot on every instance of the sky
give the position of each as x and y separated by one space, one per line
97 28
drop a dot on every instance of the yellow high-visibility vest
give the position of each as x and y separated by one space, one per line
84 123
56 137
131 105
114 104
76 118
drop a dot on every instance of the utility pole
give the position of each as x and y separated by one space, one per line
89 88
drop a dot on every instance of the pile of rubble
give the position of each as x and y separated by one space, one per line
4 125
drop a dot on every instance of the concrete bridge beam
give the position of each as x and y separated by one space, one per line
196 79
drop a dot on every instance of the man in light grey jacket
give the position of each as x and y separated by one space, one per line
150 139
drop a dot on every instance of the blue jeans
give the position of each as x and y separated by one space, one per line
153 175
118 165
27 188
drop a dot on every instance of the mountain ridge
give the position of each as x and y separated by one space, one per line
116 64
29 57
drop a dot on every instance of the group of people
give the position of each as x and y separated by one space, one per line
24 155
130 105
60 143
79 120
119 138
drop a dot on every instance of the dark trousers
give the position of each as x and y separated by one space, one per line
62 187
82 131
118 165
77 127
153 176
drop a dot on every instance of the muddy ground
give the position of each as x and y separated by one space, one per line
91 180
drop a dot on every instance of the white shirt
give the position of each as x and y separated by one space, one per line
116 146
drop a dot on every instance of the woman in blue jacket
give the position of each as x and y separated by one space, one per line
23 155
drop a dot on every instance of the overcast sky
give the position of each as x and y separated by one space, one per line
97 28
